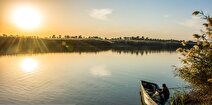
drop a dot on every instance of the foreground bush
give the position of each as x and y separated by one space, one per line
197 65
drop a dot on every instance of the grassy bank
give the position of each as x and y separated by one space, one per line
22 45
192 97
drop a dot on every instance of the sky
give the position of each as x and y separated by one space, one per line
166 19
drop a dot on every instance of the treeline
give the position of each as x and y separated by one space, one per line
33 44
134 38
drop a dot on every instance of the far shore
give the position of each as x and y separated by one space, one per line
28 45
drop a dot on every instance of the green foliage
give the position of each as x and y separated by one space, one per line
197 61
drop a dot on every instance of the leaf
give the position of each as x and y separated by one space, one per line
196 13
190 53
210 80
196 36
196 47
185 61
203 36
205 24
205 43
184 43
211 45
199 43
179 50
209 20
210 35
210 28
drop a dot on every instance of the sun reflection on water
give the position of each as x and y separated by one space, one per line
29 65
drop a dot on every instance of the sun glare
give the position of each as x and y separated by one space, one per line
28 64
26 17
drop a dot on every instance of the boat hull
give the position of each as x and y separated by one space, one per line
145 98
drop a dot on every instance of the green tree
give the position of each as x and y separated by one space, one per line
197 61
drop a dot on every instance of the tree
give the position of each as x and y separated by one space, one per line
4 35
80 36
53 36
197 61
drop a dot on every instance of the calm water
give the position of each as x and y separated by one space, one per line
104 78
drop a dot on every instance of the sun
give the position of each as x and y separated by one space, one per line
26 17
29 65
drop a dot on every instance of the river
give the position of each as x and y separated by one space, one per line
100 78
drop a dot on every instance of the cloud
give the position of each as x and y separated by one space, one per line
100 71
101 14
193 22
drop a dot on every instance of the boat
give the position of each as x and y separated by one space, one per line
147 91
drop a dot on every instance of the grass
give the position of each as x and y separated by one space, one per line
194 97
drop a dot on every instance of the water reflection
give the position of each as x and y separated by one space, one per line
100 71
137 51
103 78
142 51
29 65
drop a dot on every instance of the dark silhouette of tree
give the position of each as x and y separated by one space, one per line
53 36
4 35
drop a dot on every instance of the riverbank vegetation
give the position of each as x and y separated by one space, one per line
197 67
10 44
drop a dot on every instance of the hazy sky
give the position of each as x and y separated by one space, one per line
110 18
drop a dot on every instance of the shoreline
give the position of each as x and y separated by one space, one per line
25 45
